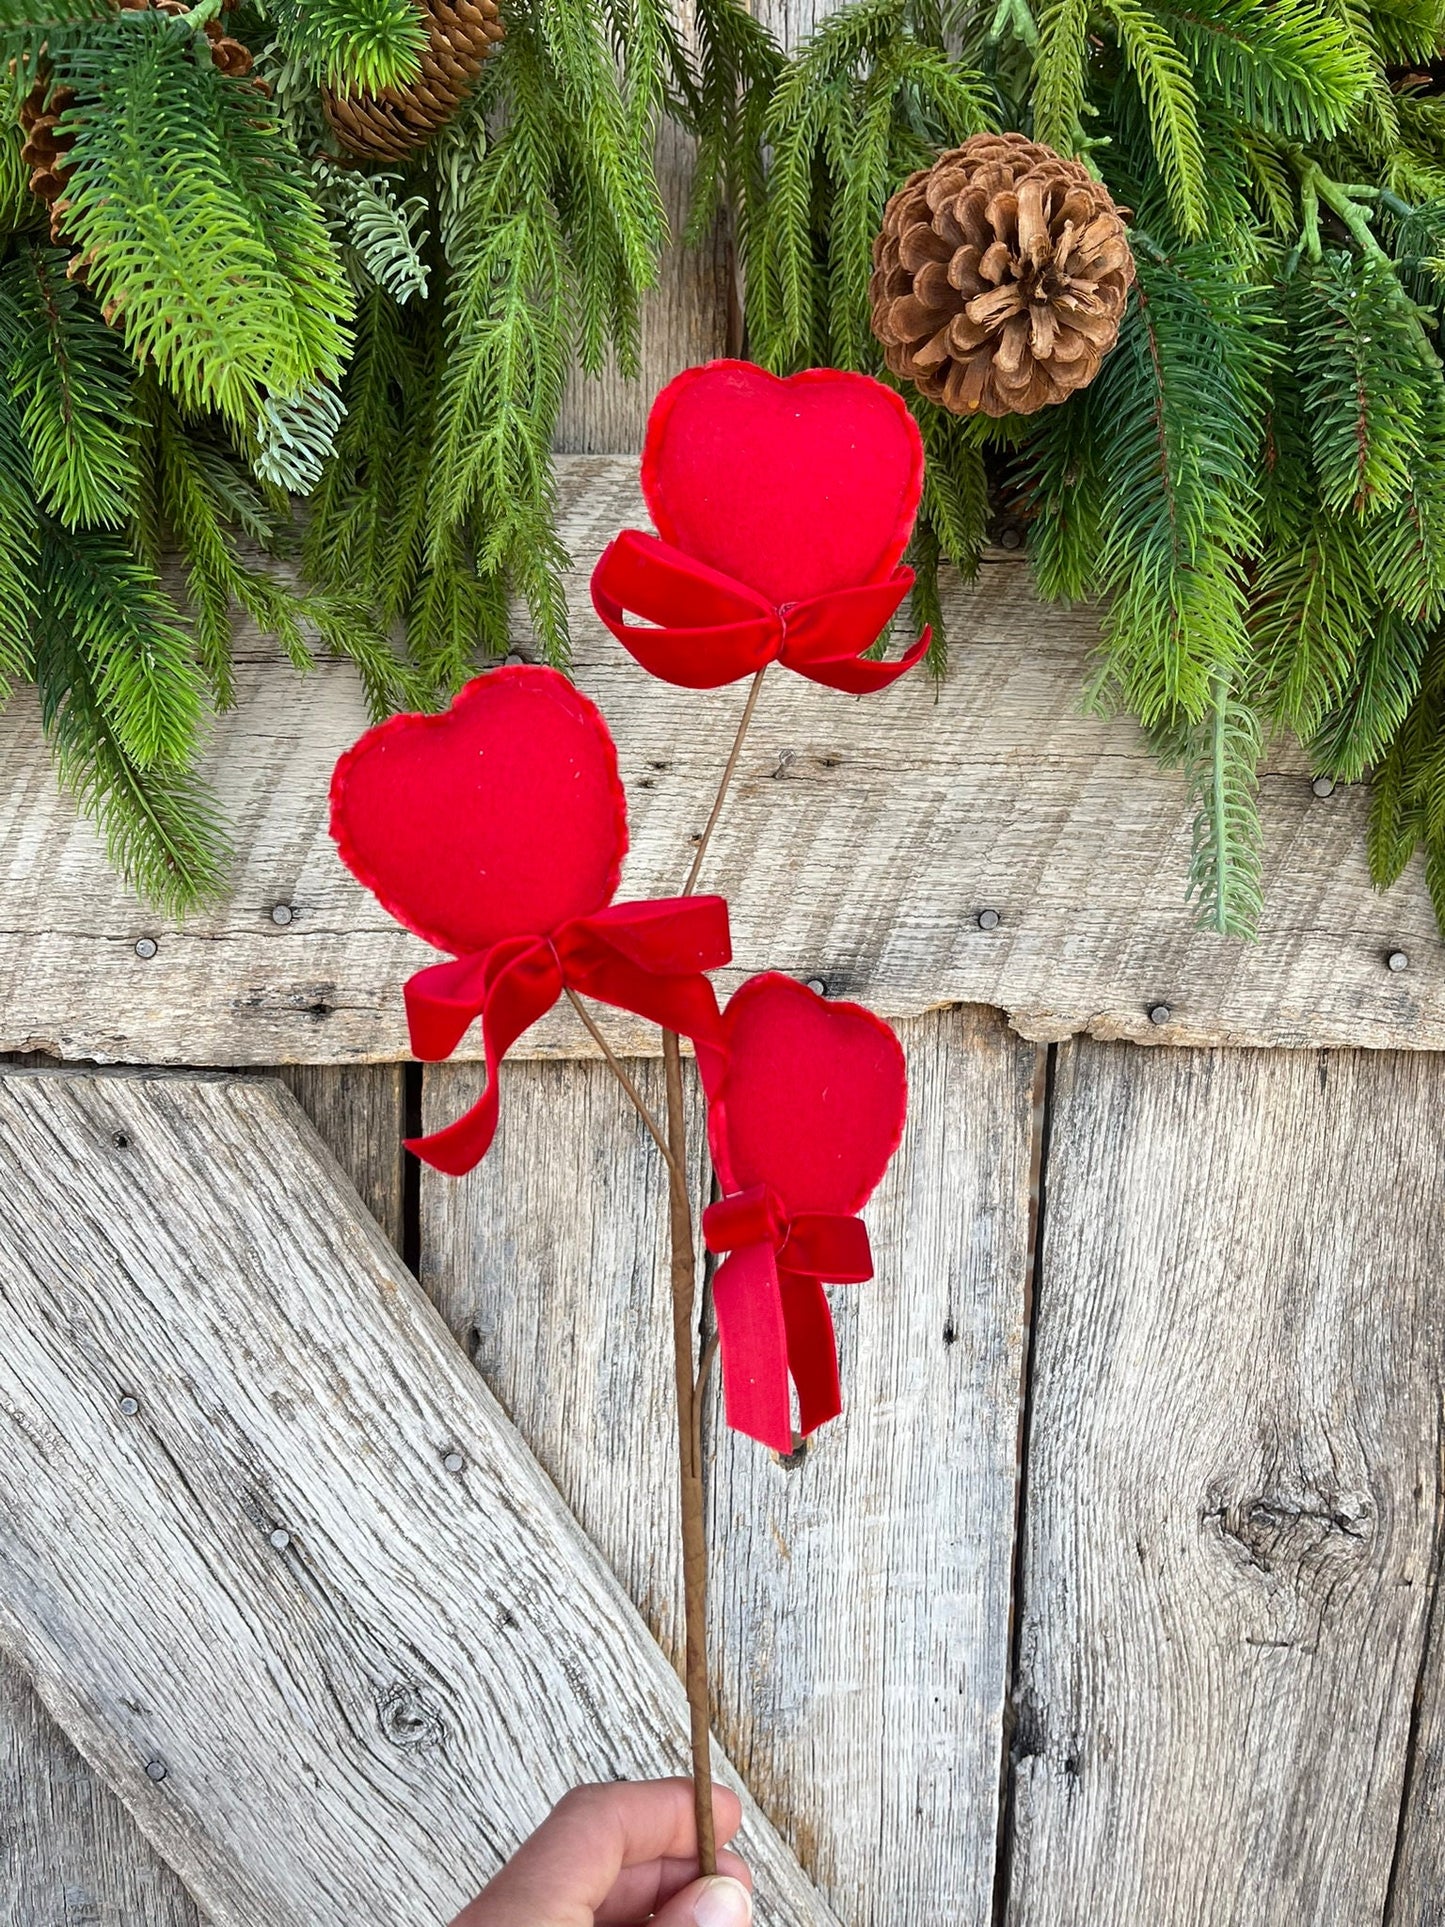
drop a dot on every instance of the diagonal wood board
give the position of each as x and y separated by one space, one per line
861 843
334 1680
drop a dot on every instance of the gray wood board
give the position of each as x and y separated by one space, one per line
860 1594
69 1852
863 839
356 1723
1233 1494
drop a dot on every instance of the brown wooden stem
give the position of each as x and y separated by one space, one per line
689 1447
725 782
689 1387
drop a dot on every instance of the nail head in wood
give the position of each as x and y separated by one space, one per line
818 986
988 919
1323 786
1398 960
454 1462
155 1769
1159 1013
130 1405
282 913
280 1539
146 948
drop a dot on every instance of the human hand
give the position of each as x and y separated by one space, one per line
618 1856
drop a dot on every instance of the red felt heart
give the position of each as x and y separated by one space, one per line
501 818
795 487
812 1099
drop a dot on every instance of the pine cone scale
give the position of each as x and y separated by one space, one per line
391 124
1000 277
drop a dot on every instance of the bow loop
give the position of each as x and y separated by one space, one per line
644 957
752 1217
703 628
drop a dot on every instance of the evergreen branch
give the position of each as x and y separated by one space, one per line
1220 756
1285 68
296 435
1061 67
1358 355
1167 89
1179 407
19 534
72 381
161 827
198 230
383 237
122 626
352 46
1357 734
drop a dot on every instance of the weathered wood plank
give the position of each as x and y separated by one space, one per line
862 840
69 1851
357 1718
861 1596
359 1114
70 1854
1233 1489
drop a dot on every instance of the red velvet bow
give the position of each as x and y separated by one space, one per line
806 1104
773 1318
783 508
497 832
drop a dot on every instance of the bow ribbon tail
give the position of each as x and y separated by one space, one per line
705 629
824 638
812 1349
513 985
753 1338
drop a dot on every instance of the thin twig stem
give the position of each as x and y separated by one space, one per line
690 1389
725 782
619 1071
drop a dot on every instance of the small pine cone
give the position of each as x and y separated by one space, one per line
231 56
389 125
45 145
1000 277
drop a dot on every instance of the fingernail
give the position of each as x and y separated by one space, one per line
722 1902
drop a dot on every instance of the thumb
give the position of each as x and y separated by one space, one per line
718 1902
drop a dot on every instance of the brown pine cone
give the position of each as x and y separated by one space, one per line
1000 277
389 125
45 146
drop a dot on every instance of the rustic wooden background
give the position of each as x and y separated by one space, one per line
1111 1600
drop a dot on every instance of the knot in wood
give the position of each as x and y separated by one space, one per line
408 1718
1280 1531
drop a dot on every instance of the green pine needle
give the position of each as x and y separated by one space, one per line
71 378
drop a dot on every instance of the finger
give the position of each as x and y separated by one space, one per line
718 1902
640 1891
570 1864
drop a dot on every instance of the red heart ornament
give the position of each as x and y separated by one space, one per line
812 1100
503 817
795 487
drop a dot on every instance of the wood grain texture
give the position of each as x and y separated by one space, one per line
70 1854
860 1595
359 1114
1233 1496
355 1722
861 841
